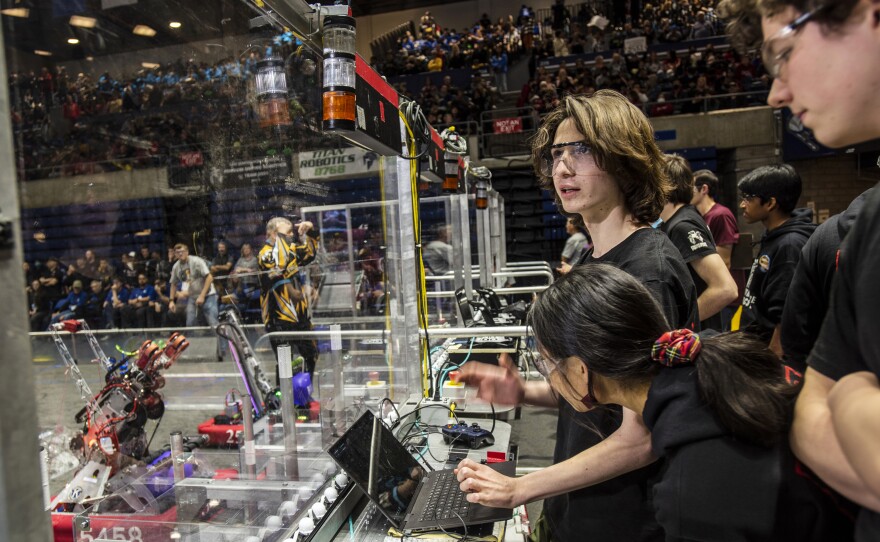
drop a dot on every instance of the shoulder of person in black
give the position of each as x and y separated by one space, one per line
717 487
650 256
847 342
689 233
807 299
617 508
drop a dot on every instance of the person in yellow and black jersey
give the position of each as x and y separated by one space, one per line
285 306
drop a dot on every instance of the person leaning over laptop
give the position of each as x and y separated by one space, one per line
599 156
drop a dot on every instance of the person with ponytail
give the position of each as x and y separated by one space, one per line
718 409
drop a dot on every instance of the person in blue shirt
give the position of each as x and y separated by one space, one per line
71 306
116 300
138 311
499 68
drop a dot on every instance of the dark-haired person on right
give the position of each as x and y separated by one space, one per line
823 56
769 195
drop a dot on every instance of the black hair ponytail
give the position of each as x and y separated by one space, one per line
744 384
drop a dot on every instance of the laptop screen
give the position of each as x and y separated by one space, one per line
379 464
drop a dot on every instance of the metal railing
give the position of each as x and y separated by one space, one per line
705 104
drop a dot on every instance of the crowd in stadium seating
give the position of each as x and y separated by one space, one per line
71 125
122 123
671 85
133 291
576 30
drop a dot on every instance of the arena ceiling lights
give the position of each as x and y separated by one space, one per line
82 22
143 30
21 13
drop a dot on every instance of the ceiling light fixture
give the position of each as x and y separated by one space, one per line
150 65
175 24
83 22
143 30
42 52
72 41
22 13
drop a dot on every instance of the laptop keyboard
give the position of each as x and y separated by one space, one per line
445 499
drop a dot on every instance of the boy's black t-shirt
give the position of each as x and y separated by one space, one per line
620 508
849 341
691 236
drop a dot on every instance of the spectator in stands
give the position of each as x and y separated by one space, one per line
52 280
499 68
151 266
437 254
139 310
116 300
72 306
163 268
247 265
163 316
560 44
141 258
560 16
701 28
769 196
196 286
436 62
30 274
575 246
105 272
221 265
688 232
39 306
73 274
128 269
90 265
93 309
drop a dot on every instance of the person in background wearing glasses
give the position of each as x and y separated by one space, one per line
769 196
718 409
599 157
824 57
196 288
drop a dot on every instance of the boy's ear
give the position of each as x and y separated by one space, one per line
771 203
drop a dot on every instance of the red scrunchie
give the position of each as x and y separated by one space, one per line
676 347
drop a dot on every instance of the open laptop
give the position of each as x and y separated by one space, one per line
412 498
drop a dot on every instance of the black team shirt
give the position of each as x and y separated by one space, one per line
849 341
691 236
772 273
620 508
